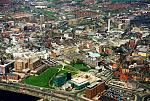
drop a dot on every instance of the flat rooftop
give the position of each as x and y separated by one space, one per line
6 62
79 80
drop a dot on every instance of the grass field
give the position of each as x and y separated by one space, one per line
41 80
81 67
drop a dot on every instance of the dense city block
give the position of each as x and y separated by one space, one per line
75 50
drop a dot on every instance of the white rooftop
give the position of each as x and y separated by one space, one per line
79 80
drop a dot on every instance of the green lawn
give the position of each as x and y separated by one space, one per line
70 68
81 67
67 71
41 80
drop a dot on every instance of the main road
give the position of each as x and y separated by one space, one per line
37 91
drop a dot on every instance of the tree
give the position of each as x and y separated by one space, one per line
79 61
104 54
72 62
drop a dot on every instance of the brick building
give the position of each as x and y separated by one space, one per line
25 64
10 77
94 89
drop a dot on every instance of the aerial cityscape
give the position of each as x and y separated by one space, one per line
74 50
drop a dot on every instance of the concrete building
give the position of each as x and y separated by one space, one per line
6 66
26 64
79 83
20 64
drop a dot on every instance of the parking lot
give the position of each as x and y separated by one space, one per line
118 95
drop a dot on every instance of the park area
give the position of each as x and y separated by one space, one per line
42 80
81 67
45 77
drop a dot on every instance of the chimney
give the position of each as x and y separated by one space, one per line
108 25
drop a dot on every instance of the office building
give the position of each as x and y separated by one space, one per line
94 89
26 64
79 83
6 66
